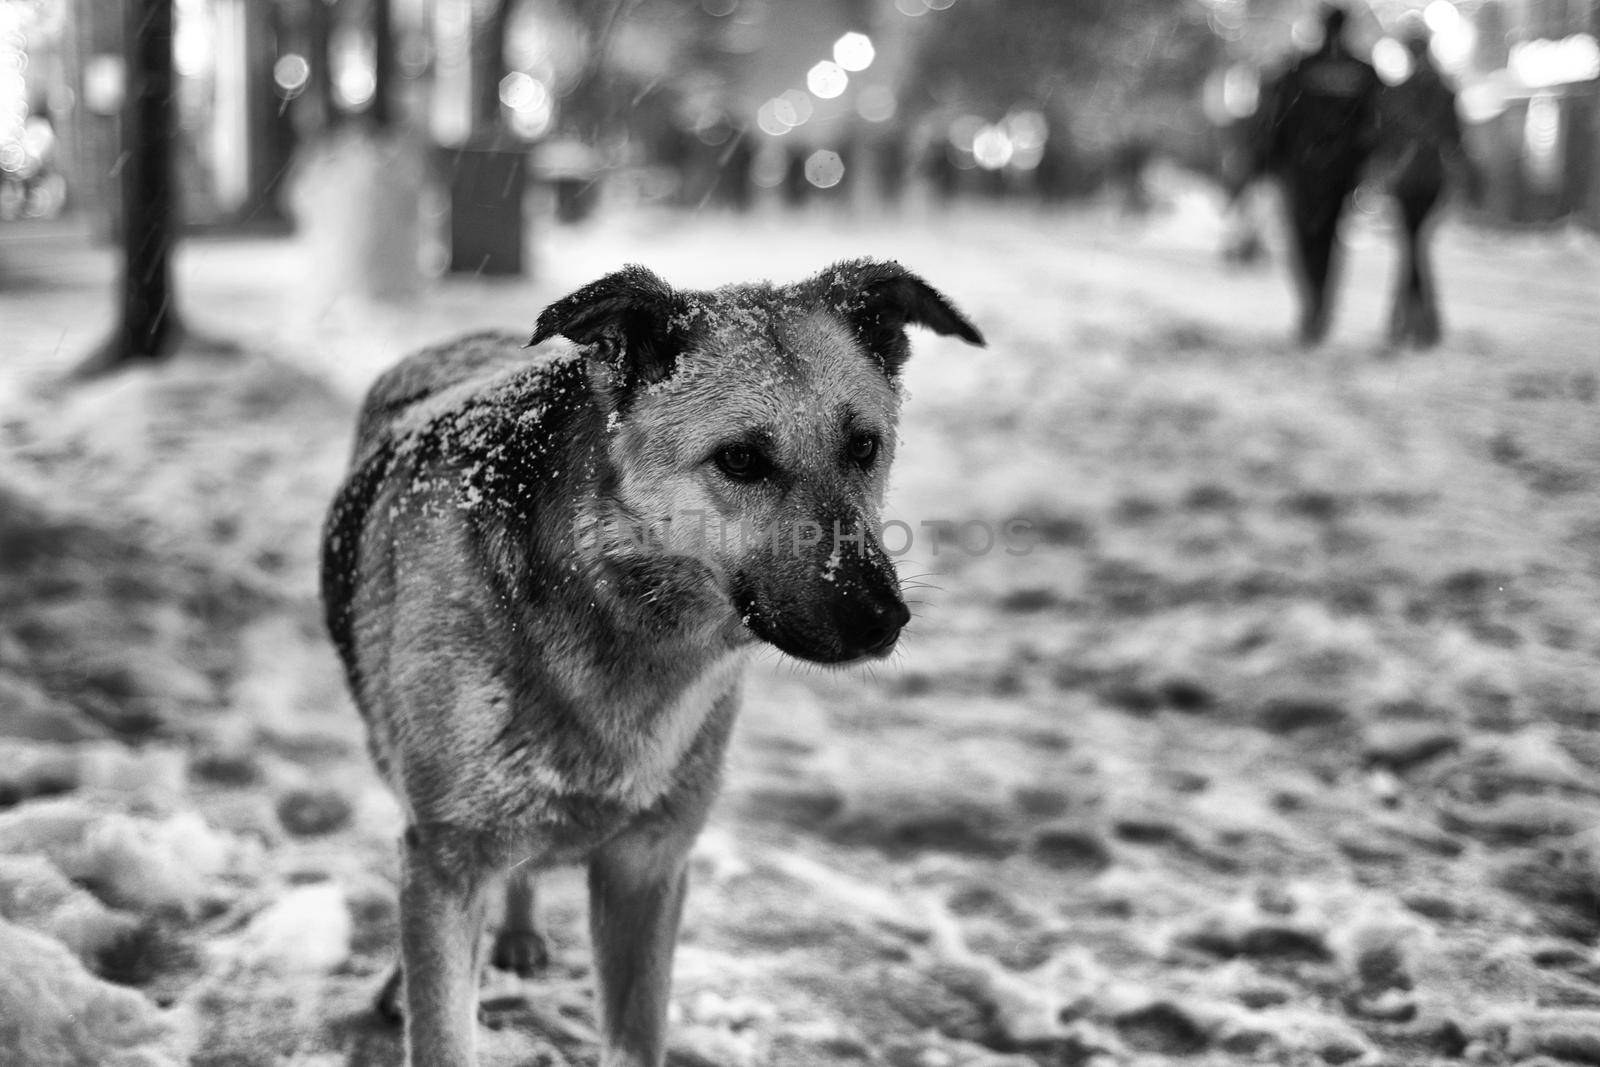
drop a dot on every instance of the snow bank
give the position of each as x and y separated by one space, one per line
139 863
58 1015
29 769
34 894
306 931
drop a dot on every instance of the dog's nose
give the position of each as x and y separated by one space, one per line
872 630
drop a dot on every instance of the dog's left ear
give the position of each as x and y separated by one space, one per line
633 321
880 299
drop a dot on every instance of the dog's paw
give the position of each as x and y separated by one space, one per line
389 1004
522 952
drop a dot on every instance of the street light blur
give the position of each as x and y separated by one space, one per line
290 74
854 52
827 80
824 168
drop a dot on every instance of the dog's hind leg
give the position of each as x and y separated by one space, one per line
636 889
390 1001
441 918
519 946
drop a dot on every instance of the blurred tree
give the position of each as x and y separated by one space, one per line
381 112
147 326
315 106
490 25
659 81
1116 70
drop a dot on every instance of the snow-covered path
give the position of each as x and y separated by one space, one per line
1282 745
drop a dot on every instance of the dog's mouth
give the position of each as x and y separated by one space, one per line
829 650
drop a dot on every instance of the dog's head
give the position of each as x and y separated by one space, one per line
751 429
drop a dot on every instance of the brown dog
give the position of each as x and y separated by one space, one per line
544 573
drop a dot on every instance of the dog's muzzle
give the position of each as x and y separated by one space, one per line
870 630
851 630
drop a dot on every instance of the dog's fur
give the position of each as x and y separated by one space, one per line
539 688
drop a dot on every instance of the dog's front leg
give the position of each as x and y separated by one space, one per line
441 917
636 889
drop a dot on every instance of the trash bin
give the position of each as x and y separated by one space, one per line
487 183
573 169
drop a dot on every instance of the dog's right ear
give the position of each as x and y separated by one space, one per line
634 322
879 299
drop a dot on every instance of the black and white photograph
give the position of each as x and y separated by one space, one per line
799 533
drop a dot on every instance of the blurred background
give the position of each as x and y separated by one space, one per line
746 104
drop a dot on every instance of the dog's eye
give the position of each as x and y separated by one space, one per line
863 448
742 463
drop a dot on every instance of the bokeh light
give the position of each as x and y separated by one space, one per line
800 107
963 129
529 101
827 80
354 60
1541 138
290 74
1481 101
1543 64
1441 16
1306 33
192 45
770 166
1227 19
854 51
1391 60
876 103
912 8
824 168
1454 37
104 84
770 121
1241 91
1027 131
517 89
992 147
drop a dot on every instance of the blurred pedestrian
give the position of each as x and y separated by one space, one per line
1421 150
1320 127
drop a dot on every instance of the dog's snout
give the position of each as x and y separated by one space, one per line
872 629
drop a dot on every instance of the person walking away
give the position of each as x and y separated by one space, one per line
1422 149
1320 131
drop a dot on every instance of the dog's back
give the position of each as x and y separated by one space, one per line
443 408
426 374
389 407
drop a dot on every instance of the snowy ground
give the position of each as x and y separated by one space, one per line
1284 746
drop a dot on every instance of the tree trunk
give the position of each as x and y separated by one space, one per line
593 105
383 72
148 318
489 67
148 326
317 103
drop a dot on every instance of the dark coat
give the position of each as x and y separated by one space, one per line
1421 133
1319 119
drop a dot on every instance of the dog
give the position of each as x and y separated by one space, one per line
545 570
